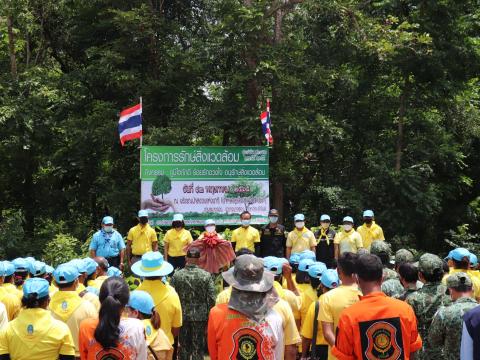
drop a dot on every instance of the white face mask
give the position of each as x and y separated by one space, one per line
210 228
325 225
273 219
245 222
108 229
299 224
347 227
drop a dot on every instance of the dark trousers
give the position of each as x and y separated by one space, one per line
321 353
192 340
178 262
114 261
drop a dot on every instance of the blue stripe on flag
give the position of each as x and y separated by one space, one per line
134 121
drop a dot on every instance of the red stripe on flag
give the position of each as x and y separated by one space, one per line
136 135
130 110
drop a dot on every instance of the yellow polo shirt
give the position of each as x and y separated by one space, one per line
177 241
307 297
69 307
245 238
12 303
98 282
142 238
158 341
36 335
300 240
348 241
290 297
370 234
307 326
167 304
13 290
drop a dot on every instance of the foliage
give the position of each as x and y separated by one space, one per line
246 190
462 237
161 185
61 249
12 242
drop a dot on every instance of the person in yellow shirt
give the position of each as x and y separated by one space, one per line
22 269
246 236
335 301
300 238
370 231
141 239
175 241
319 349
101 273
8 280
310 294
140 306
153 268
66 305
460 258
347 240
82 266
35 334
9 297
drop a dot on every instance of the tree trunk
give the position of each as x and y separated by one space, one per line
278 198
11 47
400 126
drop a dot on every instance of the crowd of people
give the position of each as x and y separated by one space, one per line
296 295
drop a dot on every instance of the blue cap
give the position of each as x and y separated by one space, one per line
274 265
473 259
209 222
80 264
325 217
37 286
39 268
107 220
141 301
49 269
2 269
143 213
152 264
449 256
21 265
113 271
368 213
90 265
8 268
305 264
348 219
65 273
299 217
294 258
330 279
178 217
316 270
459 253
308 254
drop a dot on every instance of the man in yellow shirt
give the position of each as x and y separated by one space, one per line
460 258
66 305
335 301
370 231
246 236
141 239
153 268
101 273
9 298
300 238
8 280
175 241
347 240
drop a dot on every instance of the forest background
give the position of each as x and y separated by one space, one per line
375 104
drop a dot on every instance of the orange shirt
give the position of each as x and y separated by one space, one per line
231 335
377 327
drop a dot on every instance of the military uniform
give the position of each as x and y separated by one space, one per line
407 293
273 241
389 274
196 291
393 288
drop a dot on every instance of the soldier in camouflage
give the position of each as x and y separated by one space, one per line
427 300
446 329
394 287
196 291
383 251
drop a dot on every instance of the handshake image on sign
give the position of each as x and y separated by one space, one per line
161 185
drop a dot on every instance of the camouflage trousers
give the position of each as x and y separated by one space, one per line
192 340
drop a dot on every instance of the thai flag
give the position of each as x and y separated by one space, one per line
130 123
266 123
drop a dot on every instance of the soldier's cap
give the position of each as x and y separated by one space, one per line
273 212
428 263
403 256
458 279
380 247
362 251
193 253
248 275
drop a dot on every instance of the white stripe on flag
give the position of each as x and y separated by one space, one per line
126 117
131 131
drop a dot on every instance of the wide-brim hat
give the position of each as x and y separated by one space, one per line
152 264
248 275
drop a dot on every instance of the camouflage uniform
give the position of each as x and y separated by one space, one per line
446 329
407 293
389 274
393 288
196 291
383 248
426 301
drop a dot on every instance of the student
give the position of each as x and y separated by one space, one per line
347 240
246 236
35 334
300 238
10 299
175 241
111 336
140 306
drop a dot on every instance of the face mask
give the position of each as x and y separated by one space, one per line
347 227
210 229
245 222
368 221
325 225
108 229
273 219
143 220
300 225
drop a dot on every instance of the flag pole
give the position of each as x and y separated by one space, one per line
268 111
140 147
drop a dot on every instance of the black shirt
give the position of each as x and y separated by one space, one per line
325 252
273 241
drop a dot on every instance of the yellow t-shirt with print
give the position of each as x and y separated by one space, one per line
300 240
307 326
36 335
370 234
12 303
306 299
13 290
142 238
348 241
292 299
177 241
245 238
167 304
158 342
